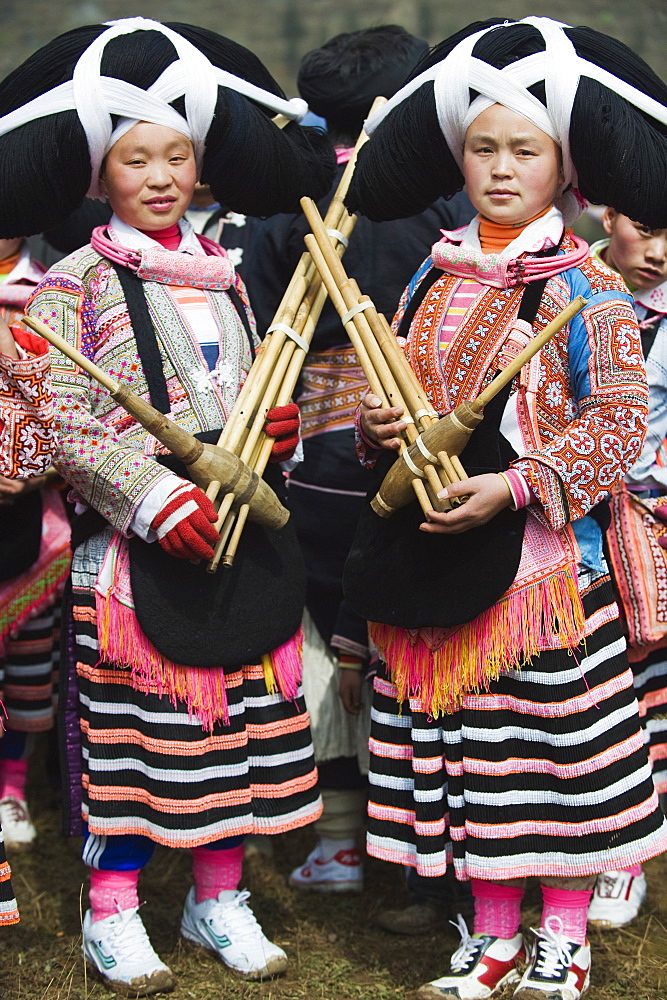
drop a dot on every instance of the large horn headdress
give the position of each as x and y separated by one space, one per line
95 83
593 95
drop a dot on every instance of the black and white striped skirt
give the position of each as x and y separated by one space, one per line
544 774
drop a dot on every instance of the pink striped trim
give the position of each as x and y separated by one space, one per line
517 765
377 747
552 710
522 495
508 831
392 815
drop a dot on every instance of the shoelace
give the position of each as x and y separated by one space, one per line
609 885
129 935
245 921
552 948
468 948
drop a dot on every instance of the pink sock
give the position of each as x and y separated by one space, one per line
13 774
571 905
216 871
111 891
634 870
497 908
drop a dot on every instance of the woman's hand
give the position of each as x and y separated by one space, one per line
379 425
487 496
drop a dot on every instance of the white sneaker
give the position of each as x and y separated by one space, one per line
479 968
558 969
17 827
343 872
230 929
617 899
119 948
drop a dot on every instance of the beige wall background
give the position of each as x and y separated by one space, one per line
281 31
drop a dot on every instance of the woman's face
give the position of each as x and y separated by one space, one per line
512 168
149 176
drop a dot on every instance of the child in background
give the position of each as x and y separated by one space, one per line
639 254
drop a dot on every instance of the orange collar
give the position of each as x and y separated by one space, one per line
495 237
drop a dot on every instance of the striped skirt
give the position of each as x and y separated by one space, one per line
651 691
9 913
545 774
150 768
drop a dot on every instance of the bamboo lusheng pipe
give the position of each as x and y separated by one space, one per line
451 433
385 366
204 462
299 310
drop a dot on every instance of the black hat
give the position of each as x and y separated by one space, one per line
604 106
62 110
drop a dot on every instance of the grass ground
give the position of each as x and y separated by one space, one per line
336 952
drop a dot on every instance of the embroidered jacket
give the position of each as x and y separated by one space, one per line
26 410
583 414
102 451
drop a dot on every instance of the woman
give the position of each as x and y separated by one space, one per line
505 736
171 752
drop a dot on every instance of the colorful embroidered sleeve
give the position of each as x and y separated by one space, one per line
108 475
26 410
576 468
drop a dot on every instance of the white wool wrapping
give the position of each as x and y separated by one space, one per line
95 98
558 66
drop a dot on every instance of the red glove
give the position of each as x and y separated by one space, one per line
184 525
661 515
282 423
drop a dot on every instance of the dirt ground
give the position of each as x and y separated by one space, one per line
336 951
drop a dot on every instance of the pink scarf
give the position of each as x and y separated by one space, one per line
169 267
500 270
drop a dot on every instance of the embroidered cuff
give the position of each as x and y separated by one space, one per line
367 452
350 663
522 495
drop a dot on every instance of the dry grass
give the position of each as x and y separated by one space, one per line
336 952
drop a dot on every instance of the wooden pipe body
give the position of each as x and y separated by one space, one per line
207 463
449 434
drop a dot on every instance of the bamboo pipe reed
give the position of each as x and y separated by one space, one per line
274 375
385 366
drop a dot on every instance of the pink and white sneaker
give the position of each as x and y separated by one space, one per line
480 967
558 969
343 872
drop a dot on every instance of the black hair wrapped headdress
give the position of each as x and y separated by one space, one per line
342 78
65 106
593 95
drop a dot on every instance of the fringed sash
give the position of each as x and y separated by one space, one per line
124 645
541 610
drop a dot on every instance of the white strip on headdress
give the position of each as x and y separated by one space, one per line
558 66
95 98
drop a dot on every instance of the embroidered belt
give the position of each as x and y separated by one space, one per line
333 384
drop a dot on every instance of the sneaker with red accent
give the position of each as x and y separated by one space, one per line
558 969
617 899
480 967
343 872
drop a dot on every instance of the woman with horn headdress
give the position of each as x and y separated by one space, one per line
505 737
183 754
